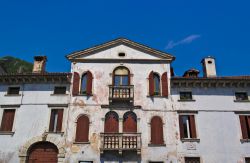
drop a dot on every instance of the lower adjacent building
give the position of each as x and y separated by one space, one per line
122 103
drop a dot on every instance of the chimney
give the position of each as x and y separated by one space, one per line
191 73
209 68
39 64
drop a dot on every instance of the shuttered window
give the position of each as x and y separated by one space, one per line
164 83
187 126
76 84
86 83
157 131
154 84
56 118
7 120
82 129
111 122
245 126
192 160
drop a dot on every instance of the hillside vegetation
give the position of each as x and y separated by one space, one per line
9 64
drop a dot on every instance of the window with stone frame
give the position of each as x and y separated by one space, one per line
245 126
192 160
7 120
56 118
187 127
60 90
13 91
186 95
241 96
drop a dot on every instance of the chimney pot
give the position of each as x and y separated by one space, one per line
39 64
209 67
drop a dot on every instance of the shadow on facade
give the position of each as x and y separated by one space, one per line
115 157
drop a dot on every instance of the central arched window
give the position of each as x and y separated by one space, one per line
121 76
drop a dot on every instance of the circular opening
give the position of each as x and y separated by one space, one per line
210 62
121 54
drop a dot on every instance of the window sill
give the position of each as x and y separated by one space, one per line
84 95
59 94
241 100
186 100
157 96
56 133
245 140
7 133
190 140
12 95
81 142
157 145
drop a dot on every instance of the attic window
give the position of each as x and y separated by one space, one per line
210 62
121 54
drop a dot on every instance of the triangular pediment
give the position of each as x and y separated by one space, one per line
110 50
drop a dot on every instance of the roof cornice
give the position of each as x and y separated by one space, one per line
121 41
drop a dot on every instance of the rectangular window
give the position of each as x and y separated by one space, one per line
13 90
192 160
245 126
247 160
7 120
186 96
241 96
56 120
187 126
85 161
60 90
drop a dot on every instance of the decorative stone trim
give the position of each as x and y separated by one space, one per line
23 152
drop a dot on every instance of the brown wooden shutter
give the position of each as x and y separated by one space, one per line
89 83
181 127
76 84
52 120
156 131
129 123
243 124
164 82
192 126
151 83
59 120
82 129
7 120
111 123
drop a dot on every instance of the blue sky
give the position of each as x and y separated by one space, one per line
190 30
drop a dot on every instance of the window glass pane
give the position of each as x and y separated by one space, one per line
60 90
185 125
124 80
185 95
117 80
156 84
247 160
13 90
84 83
241 96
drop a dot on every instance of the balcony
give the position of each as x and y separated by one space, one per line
121 142
122 95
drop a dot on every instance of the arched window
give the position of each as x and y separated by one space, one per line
129 122
156 131
86 83
154 84
121 76
82 129
111 122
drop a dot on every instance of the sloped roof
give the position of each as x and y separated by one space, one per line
121 41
